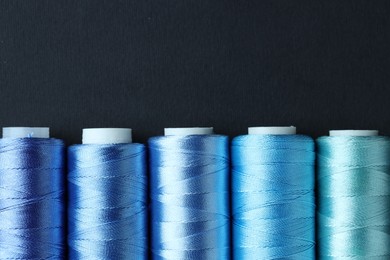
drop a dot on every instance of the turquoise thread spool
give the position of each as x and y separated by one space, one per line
353 195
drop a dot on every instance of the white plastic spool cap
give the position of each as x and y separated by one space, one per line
26 132
106 136
272 130
189 131
353 132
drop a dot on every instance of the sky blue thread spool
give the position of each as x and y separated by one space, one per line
189 171
32 215
273 195
353 184
107 196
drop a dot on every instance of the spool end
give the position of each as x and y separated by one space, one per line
353 132
272 130
26 132
106 135
188 131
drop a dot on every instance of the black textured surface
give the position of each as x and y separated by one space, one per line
230 64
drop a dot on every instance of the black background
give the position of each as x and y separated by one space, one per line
150 64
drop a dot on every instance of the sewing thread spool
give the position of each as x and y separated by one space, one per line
189 171
353 184
107 196
273 207
32 216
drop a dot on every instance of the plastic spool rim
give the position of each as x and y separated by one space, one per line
353 132
189 131
272 130
107 135
26 132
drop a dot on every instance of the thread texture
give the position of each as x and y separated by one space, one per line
32 198
107 202
189 196
353 197
273 197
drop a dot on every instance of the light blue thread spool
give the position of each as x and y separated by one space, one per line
107 196
353 184
273 194
189 171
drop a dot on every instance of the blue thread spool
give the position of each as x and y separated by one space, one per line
353 181
107 196
189 171
31 194
273 194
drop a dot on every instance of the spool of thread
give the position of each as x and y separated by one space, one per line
107 196
273 194
353 181
189 171
31 194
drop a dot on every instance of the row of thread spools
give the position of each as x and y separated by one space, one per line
192 194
